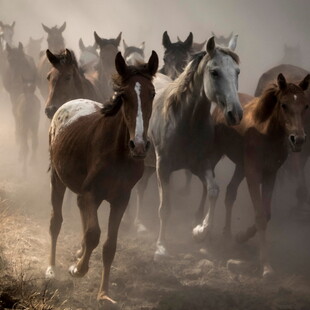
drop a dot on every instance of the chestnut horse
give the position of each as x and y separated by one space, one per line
98 153
296 161
106 69
67 82
56 43
272 125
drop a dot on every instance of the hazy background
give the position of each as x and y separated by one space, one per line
263 26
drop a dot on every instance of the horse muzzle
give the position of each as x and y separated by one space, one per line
233 116
296 142
139 149
50 111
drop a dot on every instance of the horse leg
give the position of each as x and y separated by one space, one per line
91 235
141 187
185 190
202 230
83 214
117 210
57 194
164 210
230 197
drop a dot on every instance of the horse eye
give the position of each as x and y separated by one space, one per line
214 73
153 95
307 106
238 72
284 106
48 77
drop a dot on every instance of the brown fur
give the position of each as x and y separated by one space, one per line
98 158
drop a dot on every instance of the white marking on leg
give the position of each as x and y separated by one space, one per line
139 119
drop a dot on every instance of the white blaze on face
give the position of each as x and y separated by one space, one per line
139 119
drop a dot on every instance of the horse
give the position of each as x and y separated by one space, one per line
33 48
19 67
181 129
297 161
108 51
89 57
98 153
134 55
7 32
196 47
55 43
66 82
28 117
221 40
176 55
272 125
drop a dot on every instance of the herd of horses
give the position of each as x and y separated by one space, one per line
117 119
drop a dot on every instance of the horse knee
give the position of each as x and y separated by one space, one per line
92 237
213 191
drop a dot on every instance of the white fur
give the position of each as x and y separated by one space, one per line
70 112
139 119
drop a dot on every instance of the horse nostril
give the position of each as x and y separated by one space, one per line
147 145
231 117
292 139
131 145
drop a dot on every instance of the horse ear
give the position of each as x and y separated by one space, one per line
179 40
81 45
166 40
13 24
20 46
125 45
152 64
118 39
120 64
189 41
142 46
69 58
281 81
233 42
52 58
305 82
46 29
211 46
63 27
230 36
98 40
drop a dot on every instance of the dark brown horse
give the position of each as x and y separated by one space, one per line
67 82
19 67
272 125
176 56
106 69
297 161
56 43
98 153
28 117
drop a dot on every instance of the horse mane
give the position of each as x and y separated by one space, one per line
186 78
268 100
113 106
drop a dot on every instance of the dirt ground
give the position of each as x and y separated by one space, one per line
190 279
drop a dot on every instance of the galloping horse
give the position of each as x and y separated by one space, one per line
28 117
7 32
181 128
106 69
297 161
272 124
67 82
19 67
89 57
176 55
56 43
134 55
98 153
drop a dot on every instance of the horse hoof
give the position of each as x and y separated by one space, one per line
73 271
50 273
107 303
160 254
141 228
200 233
268 273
